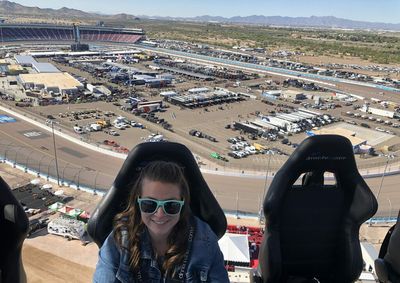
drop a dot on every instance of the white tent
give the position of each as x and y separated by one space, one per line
47 187
59 193
235 247
35 182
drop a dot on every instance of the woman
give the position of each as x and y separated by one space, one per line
156 238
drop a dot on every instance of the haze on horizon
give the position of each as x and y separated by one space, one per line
360 10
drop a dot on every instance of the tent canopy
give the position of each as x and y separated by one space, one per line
35 182
235 247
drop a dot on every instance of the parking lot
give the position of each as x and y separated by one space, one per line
215 130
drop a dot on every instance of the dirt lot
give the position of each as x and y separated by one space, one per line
42 267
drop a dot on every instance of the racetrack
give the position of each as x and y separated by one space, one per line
33 147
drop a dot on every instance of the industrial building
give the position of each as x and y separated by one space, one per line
29 61
55 83
356 142
292 95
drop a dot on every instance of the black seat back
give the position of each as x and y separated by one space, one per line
203 203
312 229
14 228
387 265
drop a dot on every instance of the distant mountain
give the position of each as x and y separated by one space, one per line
10 8
313 21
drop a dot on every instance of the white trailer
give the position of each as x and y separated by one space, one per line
264 124
381 112
305 115
287 117
295 117
281 123
309 111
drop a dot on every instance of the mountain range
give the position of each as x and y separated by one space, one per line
11 8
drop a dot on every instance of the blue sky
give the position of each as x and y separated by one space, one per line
387 11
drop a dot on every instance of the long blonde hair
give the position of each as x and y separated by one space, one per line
130 219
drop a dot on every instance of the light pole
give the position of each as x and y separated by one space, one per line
389 157
50 122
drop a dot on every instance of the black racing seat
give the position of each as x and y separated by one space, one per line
203 203
387 265
14 228
312 229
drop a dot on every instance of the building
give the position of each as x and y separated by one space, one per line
45 68
356 142
292 95
271 95
56 83
25 61
198 90
29 61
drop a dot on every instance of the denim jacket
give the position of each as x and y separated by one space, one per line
205 264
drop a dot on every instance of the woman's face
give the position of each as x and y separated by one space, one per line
160 224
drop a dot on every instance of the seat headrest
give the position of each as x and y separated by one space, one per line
314 156
203 203
332 153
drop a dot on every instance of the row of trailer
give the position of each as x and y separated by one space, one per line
295 122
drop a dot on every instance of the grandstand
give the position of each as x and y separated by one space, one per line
45 32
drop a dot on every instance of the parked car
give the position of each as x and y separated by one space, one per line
113 133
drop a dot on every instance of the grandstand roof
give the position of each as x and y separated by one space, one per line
60 80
